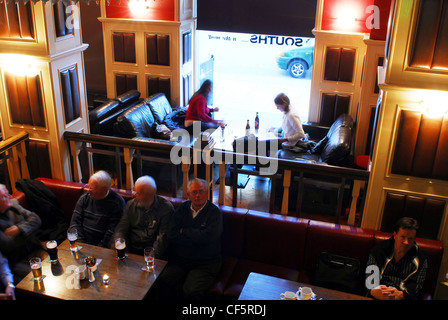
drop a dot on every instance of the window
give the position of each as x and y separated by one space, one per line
249 70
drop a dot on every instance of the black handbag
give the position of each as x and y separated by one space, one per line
337 272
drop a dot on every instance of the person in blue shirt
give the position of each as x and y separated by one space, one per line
6 279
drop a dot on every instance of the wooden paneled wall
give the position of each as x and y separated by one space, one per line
38 168
125 82
332 106
159 84
60 18
430 46
339 64
25 99
421 149
16 20
158 49
70 94
428 212
124 47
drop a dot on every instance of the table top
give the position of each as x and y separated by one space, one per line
127 279
262 287
235 130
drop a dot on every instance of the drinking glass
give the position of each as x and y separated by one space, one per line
120 245
91 263
36 267
72 235
52 250
149 258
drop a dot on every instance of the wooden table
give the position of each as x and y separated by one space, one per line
262 287
127 280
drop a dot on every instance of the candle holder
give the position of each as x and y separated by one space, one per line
106 279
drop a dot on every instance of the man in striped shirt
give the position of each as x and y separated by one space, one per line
401 265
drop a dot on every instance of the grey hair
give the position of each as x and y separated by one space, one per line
146 181
103 178
197 181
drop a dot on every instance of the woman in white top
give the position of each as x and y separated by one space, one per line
291 126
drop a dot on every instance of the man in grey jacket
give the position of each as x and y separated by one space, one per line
145 219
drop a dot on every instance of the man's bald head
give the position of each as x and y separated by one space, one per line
145 188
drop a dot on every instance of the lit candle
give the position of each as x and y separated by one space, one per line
106 279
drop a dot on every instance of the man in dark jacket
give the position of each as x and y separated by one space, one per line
98 211
398 264
194 237
145 219
17 233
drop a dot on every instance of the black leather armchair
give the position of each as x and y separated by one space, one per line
333 148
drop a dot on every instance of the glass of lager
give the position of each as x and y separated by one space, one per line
36 267
149 258
52 250
120 245
72 236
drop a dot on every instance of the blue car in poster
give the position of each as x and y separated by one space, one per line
297 61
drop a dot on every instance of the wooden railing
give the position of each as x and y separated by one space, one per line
15 153
285 170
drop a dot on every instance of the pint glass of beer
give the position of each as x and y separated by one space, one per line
72 236
149 258
52 250
120 245
36 268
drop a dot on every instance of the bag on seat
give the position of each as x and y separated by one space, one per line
337 272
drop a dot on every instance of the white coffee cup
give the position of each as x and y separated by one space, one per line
288 295
304 293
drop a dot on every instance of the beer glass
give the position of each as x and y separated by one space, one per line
52 250
149 258
120 245
72 236
36 268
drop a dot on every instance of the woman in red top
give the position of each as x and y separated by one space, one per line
199 111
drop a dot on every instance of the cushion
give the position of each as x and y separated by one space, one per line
135 122
159 105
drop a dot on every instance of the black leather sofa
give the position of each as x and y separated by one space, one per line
141 120
102 118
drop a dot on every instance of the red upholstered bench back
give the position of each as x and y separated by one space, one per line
275 239
67 193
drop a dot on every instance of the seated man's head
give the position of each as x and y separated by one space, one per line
5 203
197 193
404 234
145 188
99 185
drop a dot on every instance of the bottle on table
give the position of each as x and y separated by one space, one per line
247 127
257 122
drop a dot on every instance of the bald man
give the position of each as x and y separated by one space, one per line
145 219
98 211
